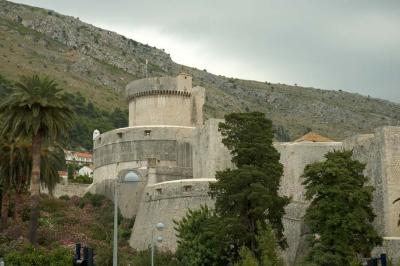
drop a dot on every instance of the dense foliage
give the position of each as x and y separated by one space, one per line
82 179
88 118
340 215
33 109
202 239
267 248
31 256
249 193
68 220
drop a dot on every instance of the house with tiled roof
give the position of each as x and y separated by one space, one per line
81 158
313 137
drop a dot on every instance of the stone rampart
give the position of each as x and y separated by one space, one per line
165 202
381 154
169 149
129 194
69 189
209 154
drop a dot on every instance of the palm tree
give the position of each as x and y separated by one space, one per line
34 109
15 171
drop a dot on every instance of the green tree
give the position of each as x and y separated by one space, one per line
340 215
247 258
14 171
267 248
16 166
249 193
34 109
201 239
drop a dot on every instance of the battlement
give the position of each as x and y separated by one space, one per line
179 85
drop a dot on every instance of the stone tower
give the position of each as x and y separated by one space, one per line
167 101
158 144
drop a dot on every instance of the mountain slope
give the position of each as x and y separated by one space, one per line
99 63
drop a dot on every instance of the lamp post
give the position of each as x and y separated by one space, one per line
159 226
126 176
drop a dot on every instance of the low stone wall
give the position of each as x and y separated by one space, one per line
166 202
69 189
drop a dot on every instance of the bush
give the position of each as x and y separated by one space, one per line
50 205
31 256
95 199
64 197
82 179
160 258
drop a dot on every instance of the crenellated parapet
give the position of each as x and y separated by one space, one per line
182 82
158 92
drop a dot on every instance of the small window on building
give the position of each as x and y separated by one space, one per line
119 135
159 191
187 188
147 132
151 162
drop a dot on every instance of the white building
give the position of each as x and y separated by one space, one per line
86 170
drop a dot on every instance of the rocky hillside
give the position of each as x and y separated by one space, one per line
99 63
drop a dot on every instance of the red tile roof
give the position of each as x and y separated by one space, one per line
313 137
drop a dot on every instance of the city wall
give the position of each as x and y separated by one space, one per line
166 202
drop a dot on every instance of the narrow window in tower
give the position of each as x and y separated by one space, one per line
147 132
159 191
187 188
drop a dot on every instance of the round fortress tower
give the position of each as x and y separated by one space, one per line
164 101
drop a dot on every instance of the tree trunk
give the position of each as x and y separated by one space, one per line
5 204
18 207
35 188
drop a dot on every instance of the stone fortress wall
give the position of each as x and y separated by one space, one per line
165 202
176 155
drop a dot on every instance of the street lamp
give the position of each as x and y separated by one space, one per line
159 226
125 176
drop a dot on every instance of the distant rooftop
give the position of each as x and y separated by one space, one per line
313 137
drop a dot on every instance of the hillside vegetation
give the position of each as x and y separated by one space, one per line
66 221
98 64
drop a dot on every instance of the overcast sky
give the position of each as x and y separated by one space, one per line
352 45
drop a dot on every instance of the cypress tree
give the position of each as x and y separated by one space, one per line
248 194
340 215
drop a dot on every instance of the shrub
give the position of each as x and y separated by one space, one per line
58 256
82 179
95 199
64 197
160 258
49 204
